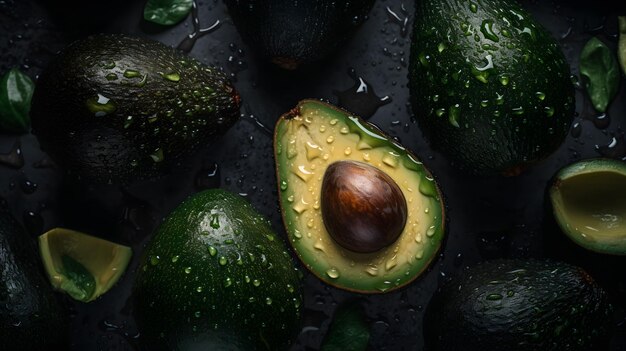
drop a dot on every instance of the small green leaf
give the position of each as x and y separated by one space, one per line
80 283
166 12
600 71
349 331
621 46
16 91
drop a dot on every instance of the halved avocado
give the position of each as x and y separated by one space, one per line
82 265
362 213
589 203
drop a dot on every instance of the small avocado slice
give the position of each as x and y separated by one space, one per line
115 108
362 213
589 204
82 265
216 277
291 33
519 305
31 317
489 85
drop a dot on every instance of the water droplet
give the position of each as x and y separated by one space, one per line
101 105
131 73
256 282
188 270
215 221
549 111
330 139
487 29
228 282
303 173
157 156
268 301
223 261
301 206
540 95
199 289
391 263
347 151
454 115
154 260
212 251
313 150
332 273
504 79
172 77
391 159
494 297
175 258
430 231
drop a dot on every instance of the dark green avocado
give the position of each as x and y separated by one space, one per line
215 277
113 108
489 85
519 305
293 32
31 318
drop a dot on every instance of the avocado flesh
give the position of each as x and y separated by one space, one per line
490 87
589 204
519 305
215 277
114 108
290 33
31 318
310 138
74 260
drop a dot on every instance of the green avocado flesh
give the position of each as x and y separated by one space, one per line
315 135
31 317
489 85
114 108
519 305
589 204
215 277
81 265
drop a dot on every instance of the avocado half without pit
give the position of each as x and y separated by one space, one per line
589 204
81 265
361 212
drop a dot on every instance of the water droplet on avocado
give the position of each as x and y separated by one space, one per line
131 73
215 221
332 273
494 297
540 95
330 139
504 79
518 111
175 258
197 314
228 282
212 251
101 105
268 301
154 260
431 231
223 261
313 150
549 111
454 115
187 270
111 76
199 289
256 282
303 173
440 112
391 263
473 7
487 29
419 254
172 77
157 155
347 151
283 185
391 159
371 270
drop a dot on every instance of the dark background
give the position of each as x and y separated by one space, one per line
489 217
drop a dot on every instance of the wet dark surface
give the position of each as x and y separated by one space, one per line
488 217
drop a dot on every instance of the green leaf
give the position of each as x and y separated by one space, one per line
621 45
16 91
349 331
166 12
600 71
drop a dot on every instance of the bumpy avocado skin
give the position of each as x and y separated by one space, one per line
215 277
519 305
31 318
290 32
113 108
489 85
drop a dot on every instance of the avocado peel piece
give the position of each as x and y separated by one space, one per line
307 140
589 205
81 265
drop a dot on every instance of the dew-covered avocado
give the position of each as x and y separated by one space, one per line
589 203
362 213
519 305
489 85
31 317
215 277
113 108
289 33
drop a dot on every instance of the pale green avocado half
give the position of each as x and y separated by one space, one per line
81 265
589 203
313 136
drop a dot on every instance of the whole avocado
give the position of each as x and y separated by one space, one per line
215 277
114 108
289 33
519 305
489 85
31 317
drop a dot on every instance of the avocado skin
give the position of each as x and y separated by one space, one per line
251 302
545 306
172 116
291 32
31 318
492 139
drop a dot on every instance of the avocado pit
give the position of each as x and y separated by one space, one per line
363 208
